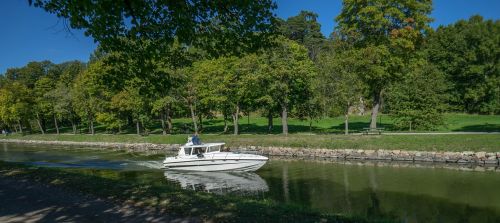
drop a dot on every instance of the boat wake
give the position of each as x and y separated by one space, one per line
150 164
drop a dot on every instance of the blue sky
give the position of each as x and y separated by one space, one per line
30 34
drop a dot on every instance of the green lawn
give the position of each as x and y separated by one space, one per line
469 142
255 133
258 125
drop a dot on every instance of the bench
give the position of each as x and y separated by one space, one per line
369 131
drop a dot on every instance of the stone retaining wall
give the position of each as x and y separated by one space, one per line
489 158
133 147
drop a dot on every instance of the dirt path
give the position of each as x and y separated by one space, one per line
24 201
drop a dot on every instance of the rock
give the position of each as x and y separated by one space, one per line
480 155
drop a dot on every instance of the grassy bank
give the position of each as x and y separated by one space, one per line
467 142
255 124
167 198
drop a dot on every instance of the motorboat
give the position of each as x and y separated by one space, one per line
219 182
197 156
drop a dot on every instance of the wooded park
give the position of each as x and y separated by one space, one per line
221 67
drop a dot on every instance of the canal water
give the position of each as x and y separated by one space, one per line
398 192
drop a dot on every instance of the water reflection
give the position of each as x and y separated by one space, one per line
401 194
219 182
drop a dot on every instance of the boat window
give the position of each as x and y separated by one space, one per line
213 149
199 150
187 151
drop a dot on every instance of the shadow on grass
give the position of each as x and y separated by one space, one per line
479 128
358 127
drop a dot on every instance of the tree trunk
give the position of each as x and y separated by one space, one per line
20 126
310 124
270 121
73 125
163 124
346 119
376 107
56 125
200 119
346 124
15 128
193 117
169 120
284 119
92 130
138 127
30 127
236 119
225 123
39 122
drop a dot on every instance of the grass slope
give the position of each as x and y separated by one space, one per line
471 142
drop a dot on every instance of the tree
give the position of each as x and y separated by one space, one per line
286 76
15 104
305 29
226 84
388 32
131 101
29 74
467 52
189 93
339 81
418 101
89 93
62 105
44 104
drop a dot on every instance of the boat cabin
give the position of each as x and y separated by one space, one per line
201 149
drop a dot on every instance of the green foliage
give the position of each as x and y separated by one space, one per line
15 101
110 120
467 52
220 28
287 73
341 84
89 94
400 24
286 77
129 101
387 33
418 101
305 29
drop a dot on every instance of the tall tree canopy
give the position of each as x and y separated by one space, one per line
217 26
468 52
306 30
389 31
286 77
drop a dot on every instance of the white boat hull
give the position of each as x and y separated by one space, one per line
220 161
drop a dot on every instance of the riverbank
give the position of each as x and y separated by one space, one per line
465 149
122 198
437 143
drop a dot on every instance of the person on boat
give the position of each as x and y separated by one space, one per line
195 139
